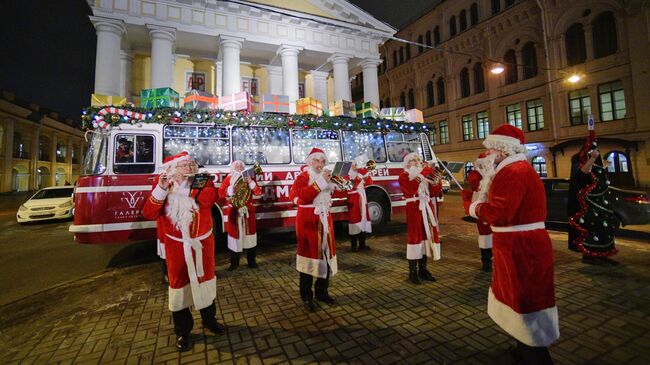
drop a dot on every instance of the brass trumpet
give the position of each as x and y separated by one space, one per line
242 191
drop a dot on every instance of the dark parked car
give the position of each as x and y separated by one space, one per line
631 207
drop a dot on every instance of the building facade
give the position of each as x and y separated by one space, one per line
37 149
292 47
539 44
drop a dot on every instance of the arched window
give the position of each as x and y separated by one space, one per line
462 18
510 59
496 6
401 55
441 90
464 83
604 35
473 14
509 3
539 164
574 40
20 148
402 100
408 52
469 166
430 100
529 59
420 47
411 99
479 78
436 36
428 38
394 58
617 162
452 26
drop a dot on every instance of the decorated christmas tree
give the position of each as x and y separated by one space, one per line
595 220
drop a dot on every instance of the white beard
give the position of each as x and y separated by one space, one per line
487 169
414 172
180 210
234 177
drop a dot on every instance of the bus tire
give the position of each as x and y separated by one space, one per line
378 207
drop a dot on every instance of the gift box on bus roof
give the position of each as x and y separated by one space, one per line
102 100
163 97
366 110
309 106
397 114
237 101
414 116
196 99
342 108
275 103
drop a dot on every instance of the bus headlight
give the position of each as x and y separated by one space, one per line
22 208
66 205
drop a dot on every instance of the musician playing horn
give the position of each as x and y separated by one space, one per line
242 231
420 184
186 217
358 215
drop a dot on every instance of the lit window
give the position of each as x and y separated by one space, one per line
513 113
539 164
535 113
468 130
579 106
482 124
611 98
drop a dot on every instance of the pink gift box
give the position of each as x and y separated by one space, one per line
237 101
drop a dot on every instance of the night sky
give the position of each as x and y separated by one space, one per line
48 50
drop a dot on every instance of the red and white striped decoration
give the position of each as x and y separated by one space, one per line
102 123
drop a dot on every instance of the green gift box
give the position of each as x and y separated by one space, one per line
163 97
367 110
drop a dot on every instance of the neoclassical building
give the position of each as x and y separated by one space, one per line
37 148
539 44
289 47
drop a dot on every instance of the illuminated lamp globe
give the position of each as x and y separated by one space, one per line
497 69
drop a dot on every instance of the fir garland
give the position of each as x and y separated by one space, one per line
112 116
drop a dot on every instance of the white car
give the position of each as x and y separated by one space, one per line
48 203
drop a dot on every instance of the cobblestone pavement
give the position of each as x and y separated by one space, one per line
121 316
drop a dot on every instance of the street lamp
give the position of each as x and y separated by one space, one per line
497 69
574 78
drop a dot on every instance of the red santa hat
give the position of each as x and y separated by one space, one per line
171 161
315 153
410 157
506 138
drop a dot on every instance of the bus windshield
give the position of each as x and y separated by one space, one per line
356 143
209 145
265 145
95 160
304 140
401 144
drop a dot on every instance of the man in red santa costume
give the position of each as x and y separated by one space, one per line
358 216
312 193
186 218
484 232
512 200
242 232
420 186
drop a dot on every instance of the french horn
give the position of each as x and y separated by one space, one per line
241 191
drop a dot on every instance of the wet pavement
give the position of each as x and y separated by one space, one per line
121 316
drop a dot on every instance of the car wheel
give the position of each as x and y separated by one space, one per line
378 208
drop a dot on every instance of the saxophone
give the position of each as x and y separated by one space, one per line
241 191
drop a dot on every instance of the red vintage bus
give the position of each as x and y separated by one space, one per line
122 162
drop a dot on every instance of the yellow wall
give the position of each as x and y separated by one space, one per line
140 75
183 65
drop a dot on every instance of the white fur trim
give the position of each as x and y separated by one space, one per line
322 184
485 241
316 267
537 329
159 193
173 162
316 155
472 208
160 248
230 191
249 241
509 160
416 251
251 185
182 298
356 228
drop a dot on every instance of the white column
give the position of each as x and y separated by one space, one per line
162 56
9 155
126 60
370 80
319 78
275 80
289 56
219 83
230 48
341 76
107 59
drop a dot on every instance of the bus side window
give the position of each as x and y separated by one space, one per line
134 154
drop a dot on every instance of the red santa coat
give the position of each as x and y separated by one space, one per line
314 226
242 219
190 259
421 215
358 215
521 299
484 231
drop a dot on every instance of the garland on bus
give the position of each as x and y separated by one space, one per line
112 116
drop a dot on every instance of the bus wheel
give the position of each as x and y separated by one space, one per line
378 208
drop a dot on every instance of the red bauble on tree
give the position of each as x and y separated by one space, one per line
305 127
176 119
291 123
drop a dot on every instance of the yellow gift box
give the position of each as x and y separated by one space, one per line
102 100
342 108
309 106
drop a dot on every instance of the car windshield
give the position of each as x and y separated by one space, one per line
53 193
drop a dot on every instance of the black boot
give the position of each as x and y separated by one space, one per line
165 278
413 272
423 272
486 259
250 256
209 319
353 242
306 294
234 261
362 242
322 290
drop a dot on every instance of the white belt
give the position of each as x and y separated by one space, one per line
189 244
322 212
520 227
